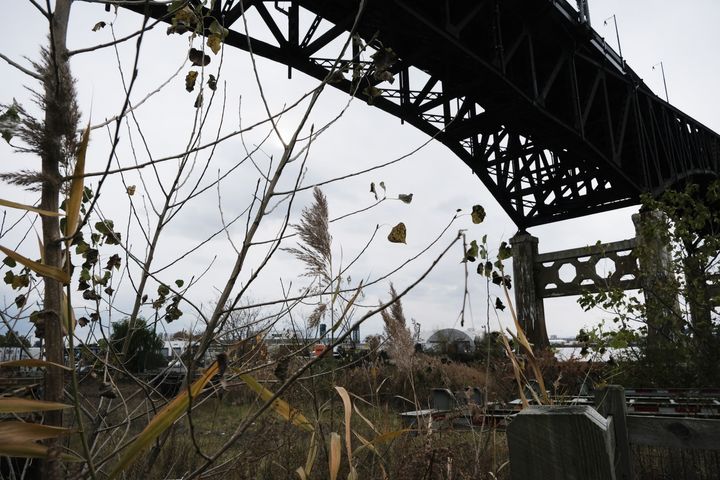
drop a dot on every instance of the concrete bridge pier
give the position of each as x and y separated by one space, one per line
528 300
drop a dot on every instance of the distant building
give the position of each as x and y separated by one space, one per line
174 348
16 353
450 340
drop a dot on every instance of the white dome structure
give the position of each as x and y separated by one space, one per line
450 340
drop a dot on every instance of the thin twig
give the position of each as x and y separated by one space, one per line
24 70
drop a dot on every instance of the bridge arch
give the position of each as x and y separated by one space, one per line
551 119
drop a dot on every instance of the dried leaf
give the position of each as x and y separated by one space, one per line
347 406
212 82
163 420
20 206
77 189
385 437
214 43
372 190
499 305
398 233
384 58
39 268
20 432
372 93
25 405
190 80
198 58
184 19
336 77
348 306
280 406
20 301
130 190
98 26
334 459
312 454
68 323
501 280
31 450
218 30
478 214
405 197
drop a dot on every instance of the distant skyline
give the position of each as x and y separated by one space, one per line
682 35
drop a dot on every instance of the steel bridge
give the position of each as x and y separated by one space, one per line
525 92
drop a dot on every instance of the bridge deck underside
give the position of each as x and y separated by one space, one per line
548 117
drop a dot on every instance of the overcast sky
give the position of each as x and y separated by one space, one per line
683 35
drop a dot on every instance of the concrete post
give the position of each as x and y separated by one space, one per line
528 303
561 443
610 403
662 308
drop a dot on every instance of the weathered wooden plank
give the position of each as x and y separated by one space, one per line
698 433
561 443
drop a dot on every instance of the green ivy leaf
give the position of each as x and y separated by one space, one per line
504 252
163 290
472 252
113 262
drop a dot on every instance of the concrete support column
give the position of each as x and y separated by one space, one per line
528 302
662 308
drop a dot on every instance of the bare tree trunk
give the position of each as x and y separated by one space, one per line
58 84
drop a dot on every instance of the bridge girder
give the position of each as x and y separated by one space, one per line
553 121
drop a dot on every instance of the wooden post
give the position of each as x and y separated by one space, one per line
610 403
561 443
528 304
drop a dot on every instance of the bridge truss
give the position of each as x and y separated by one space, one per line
551 119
